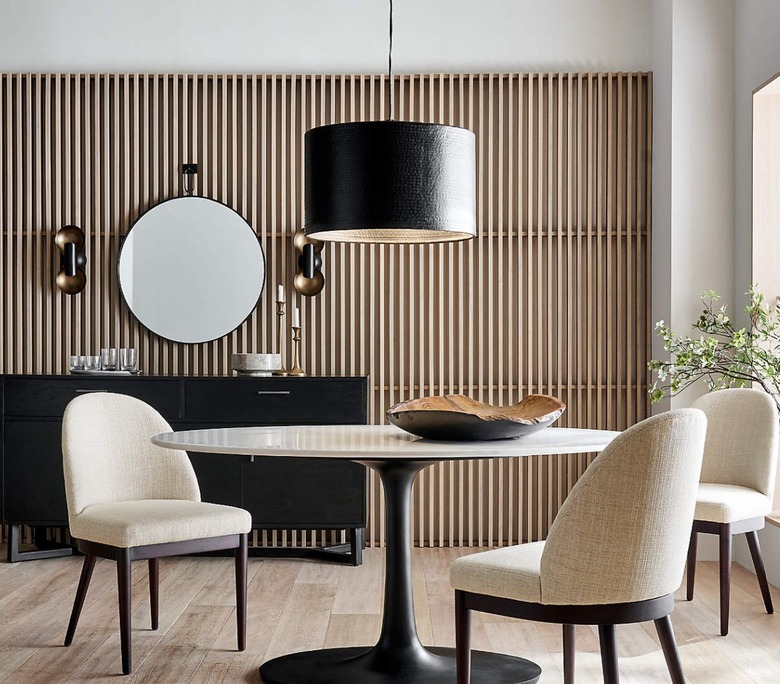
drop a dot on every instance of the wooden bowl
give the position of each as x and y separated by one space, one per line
456 417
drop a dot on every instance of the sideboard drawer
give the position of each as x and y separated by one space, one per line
48 397
276 401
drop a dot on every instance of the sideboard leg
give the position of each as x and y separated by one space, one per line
357 544
13 543
14 555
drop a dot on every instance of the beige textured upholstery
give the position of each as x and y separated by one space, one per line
740 455
622 533
729 503
124 491
157 521
510 572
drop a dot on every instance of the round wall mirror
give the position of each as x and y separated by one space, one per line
191 269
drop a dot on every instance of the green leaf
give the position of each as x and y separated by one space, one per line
722 355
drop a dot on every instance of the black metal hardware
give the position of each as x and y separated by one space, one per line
308 280
45 547
71 278
188 170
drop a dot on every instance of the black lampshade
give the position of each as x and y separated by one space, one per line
390 181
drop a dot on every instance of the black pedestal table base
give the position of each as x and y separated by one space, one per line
360 666
398 657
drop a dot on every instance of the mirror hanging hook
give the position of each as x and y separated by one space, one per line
188 171
390 61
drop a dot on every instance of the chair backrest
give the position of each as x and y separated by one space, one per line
742 439
622 534
108 456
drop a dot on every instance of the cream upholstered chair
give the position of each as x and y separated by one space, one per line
129 500
737 481
615 552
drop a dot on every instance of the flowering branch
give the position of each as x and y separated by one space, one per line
722 355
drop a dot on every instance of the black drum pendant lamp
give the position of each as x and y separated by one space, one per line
390 181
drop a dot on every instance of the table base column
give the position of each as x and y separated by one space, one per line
398 657
363 666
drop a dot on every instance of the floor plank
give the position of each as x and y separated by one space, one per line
359 590
297 605
268 593
352 630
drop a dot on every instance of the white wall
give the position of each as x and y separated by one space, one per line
757 59
321 36
692 56
661 23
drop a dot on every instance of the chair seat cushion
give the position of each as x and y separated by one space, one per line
157 521
725 503
511 572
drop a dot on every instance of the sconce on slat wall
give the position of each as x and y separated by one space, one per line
308 280
71 278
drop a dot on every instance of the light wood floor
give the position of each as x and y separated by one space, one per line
297 605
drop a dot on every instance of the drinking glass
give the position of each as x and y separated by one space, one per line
108 359
77 363
127 359
91 363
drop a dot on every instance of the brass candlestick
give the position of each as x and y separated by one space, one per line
296 367
280 338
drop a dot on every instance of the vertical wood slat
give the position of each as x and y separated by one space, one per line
552 296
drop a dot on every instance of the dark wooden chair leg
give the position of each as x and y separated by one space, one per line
81 594
154 590
691 566
609 660
242 556
124 589
666 635
569 648
462 639
758 563
725 576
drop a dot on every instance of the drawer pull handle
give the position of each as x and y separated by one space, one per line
89 391
273 391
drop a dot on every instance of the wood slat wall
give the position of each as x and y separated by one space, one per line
552 296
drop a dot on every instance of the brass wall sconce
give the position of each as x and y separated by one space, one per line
308 280
71 278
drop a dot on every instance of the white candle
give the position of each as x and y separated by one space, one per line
280 293
296 318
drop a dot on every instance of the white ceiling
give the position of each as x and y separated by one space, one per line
322 36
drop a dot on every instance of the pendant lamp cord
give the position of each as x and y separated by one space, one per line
390 61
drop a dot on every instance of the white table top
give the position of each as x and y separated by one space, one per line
376 442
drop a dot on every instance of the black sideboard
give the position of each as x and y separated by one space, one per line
280 493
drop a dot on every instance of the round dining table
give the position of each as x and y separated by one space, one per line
397 456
